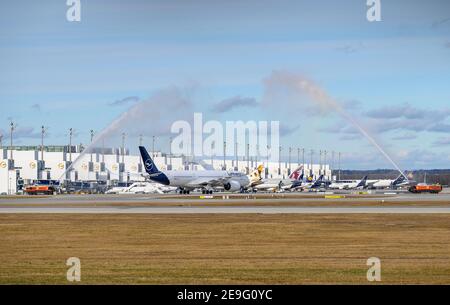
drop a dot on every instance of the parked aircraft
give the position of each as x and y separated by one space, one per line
294 180
348 184
187 181
388 183
312 185
142 188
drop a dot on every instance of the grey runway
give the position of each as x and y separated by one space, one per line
227 210
182 199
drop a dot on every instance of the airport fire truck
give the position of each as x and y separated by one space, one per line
426 188
43 187
40 190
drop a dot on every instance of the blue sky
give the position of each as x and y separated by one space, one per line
393 76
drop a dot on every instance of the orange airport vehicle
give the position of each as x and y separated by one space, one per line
40 189
425 188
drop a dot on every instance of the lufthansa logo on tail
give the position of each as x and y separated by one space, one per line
148 165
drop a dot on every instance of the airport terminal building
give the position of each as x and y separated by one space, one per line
24 165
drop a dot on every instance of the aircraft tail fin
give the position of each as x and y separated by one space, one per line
363 181
296 174
400 179
260 168
318 182
255 175
149 165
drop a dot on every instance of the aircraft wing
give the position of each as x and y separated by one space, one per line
370 183
159 191
203 182
206 166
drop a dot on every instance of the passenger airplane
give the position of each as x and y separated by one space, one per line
349 184
142 188
311 184
187 181
294 181
389 183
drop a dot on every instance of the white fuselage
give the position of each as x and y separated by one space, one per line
145 188
343 184
194 179
383 183
271 184
116 190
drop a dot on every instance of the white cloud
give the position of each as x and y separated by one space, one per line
125 101
443 141
234 102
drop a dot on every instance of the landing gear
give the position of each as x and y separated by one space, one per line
184 192
207 191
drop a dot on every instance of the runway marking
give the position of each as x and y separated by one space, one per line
334 196
228 210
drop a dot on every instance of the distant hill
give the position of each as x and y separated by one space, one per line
441 176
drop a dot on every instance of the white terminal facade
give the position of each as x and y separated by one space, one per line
29 163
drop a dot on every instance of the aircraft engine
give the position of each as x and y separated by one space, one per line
232 186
